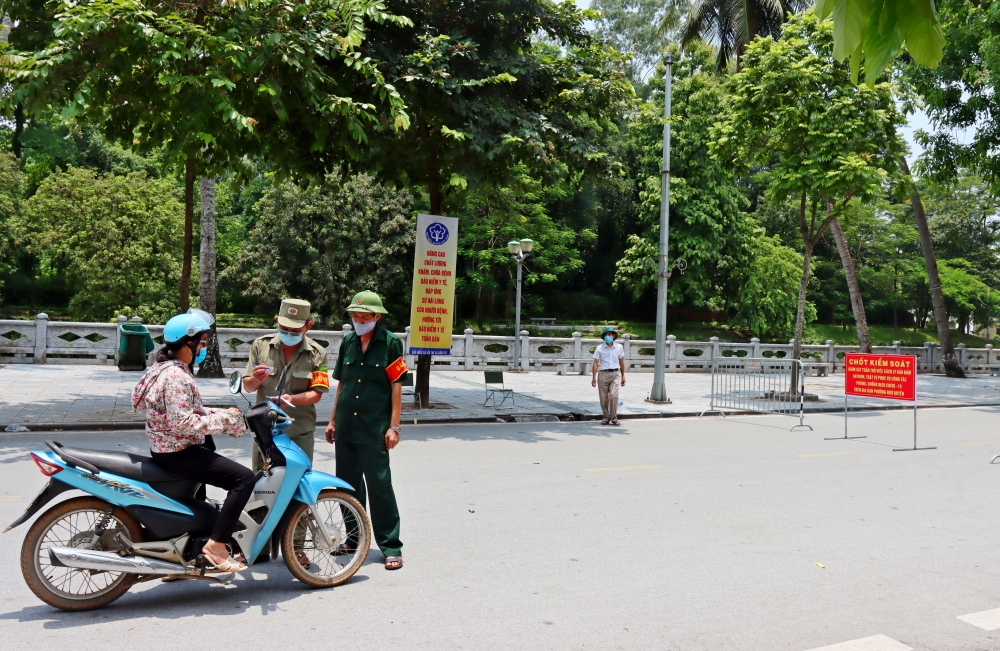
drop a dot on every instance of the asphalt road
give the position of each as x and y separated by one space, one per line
679 534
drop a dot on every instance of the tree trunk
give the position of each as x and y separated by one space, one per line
951 367
18 129
857 305
188 230
800 313
212 366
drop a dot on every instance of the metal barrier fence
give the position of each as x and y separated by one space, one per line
770 386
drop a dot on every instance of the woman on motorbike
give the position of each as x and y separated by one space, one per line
177 423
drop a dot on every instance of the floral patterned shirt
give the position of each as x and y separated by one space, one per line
175 416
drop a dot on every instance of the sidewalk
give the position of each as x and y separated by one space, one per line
99 397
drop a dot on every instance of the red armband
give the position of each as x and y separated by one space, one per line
320 378
396 370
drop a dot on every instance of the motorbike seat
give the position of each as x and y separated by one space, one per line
124 464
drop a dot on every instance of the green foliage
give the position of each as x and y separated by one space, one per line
493 216
960 95
219 82
12 185
116 238
872 32
832 144
965 292
326 242
707 225
494 84
768 294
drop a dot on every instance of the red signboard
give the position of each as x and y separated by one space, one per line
881 376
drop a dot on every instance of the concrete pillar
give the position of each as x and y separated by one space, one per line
137 319
41 335
831 355
989 353
899 347
715 354
627 346
525 362
470 349
960 353
671 352
929 356
578 351
755 352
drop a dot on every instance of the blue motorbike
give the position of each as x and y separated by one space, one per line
140 523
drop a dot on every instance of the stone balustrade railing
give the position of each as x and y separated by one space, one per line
61 342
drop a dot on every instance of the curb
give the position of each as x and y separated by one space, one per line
571 417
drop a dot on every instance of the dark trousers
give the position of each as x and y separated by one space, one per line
201 464
366 468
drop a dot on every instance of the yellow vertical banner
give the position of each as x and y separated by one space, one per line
433 301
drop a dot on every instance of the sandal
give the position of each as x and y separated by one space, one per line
228 565
393 562
303 559
604 422
345 550
616 422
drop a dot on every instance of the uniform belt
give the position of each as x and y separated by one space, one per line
609 370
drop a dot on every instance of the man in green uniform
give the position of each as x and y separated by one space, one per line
364 424
303 363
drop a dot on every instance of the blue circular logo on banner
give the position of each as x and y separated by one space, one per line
437 233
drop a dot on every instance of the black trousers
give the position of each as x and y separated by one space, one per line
198 463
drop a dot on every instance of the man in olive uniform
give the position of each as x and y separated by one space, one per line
303 363
364 424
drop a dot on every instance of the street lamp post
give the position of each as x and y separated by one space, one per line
520 251
659 391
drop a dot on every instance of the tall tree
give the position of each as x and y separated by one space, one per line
857 302
212 83
833 144
730 25
640 28
490 85
212 366
948 359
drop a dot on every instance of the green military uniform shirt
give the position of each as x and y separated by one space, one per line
364 406
306 370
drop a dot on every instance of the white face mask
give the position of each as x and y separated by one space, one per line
363 328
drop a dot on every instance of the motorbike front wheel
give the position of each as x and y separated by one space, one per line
87 523
304 550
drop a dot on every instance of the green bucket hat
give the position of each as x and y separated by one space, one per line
611 330
366 302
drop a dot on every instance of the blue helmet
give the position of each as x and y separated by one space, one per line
189 324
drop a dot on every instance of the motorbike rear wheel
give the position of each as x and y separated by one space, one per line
87 523
345 519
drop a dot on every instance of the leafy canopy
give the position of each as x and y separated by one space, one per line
326 242
133 266
220 81
872 32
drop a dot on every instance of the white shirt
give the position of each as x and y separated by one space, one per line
608 356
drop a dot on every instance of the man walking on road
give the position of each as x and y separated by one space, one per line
364 424
609 374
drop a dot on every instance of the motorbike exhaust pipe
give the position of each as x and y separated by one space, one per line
86 559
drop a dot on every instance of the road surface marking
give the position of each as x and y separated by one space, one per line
873 643
988 620
651 467
827 454
980 443
11 498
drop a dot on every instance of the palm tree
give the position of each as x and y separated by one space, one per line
732 24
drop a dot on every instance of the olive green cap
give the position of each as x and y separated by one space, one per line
366 302
294 313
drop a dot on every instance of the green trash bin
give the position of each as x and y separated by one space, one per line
134 346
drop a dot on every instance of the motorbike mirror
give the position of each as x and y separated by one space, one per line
236 383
